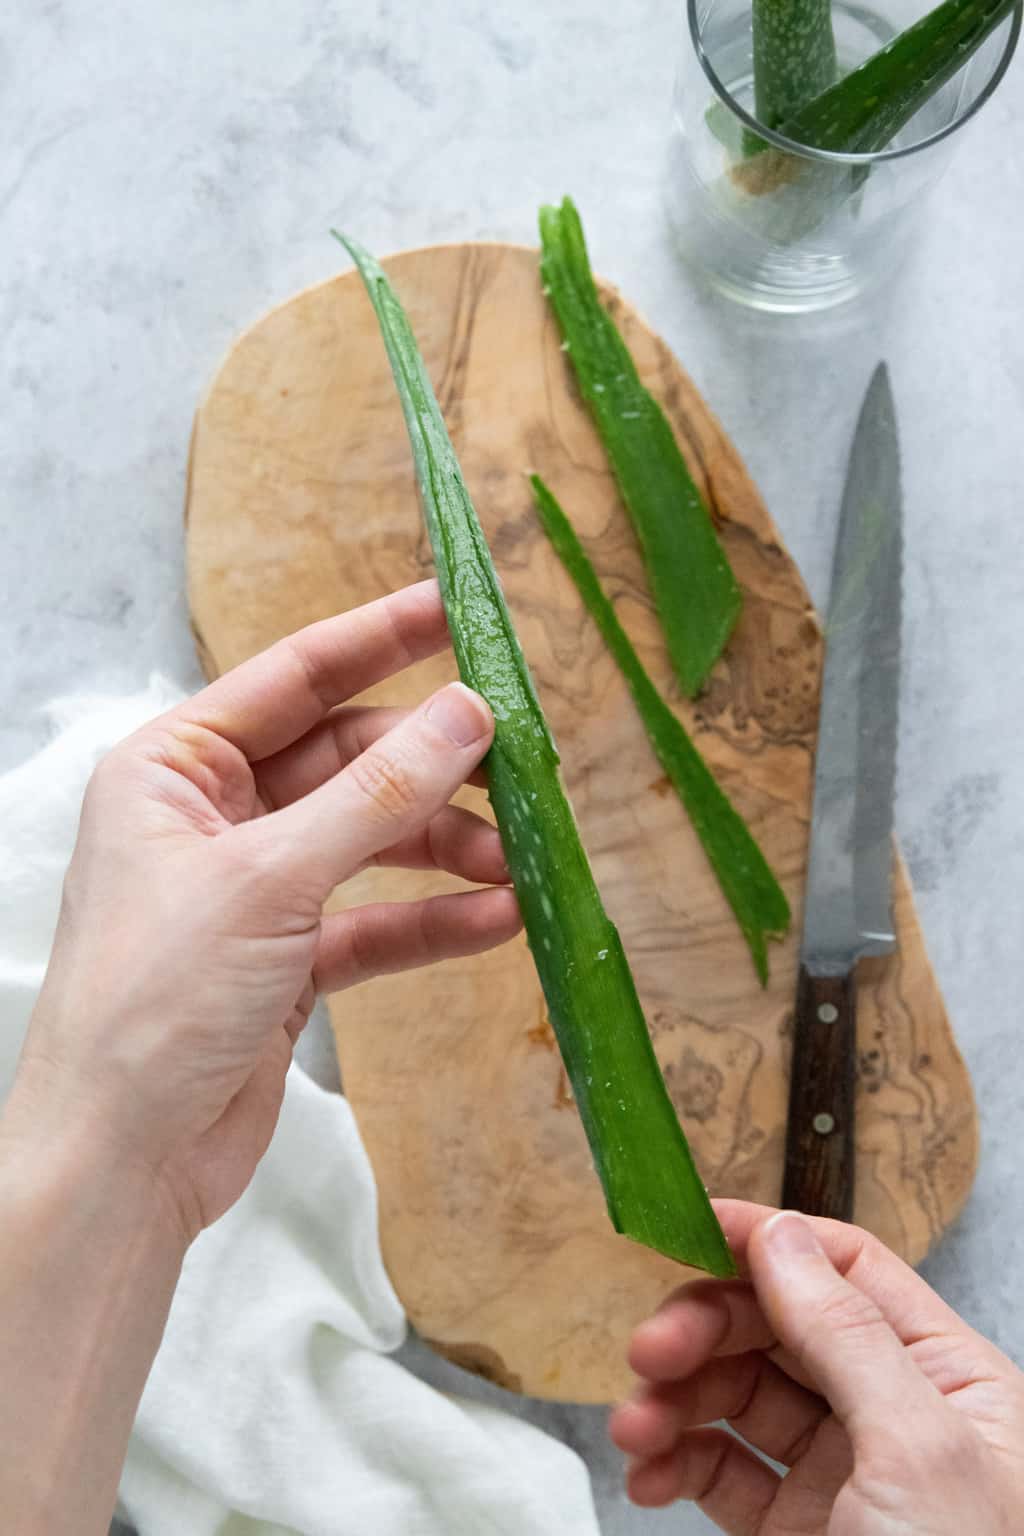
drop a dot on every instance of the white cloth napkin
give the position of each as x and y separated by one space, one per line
273 1407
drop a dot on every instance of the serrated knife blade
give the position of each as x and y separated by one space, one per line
847 907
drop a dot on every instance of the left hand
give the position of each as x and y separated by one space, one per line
191 941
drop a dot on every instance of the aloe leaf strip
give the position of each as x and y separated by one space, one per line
747 882
863 112
695 592
653 1190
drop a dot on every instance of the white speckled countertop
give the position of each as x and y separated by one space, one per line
168 172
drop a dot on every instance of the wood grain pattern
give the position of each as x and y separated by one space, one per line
302 503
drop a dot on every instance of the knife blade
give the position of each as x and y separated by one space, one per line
848 905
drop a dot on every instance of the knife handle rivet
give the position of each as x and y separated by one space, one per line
824 1124
827 1014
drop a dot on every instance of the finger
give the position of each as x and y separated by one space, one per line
274 698
709 1318
389 793
325 750
835 1330
758 1400
728 1482
704 1319
379 939
698 1321
457 841
909 1304
816 1478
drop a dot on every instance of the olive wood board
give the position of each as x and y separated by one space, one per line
302 503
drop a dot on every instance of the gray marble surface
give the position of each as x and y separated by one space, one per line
167 172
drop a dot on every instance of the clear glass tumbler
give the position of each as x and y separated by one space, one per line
795 228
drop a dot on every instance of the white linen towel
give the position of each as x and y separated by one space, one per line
273 1408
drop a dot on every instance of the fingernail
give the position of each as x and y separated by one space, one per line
459 713
789 1236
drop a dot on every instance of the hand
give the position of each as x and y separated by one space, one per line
191 940
835 1359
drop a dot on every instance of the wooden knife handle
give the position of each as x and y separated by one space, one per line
819 1172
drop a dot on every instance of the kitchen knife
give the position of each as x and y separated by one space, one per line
848 909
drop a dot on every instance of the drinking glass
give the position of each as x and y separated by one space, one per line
793 228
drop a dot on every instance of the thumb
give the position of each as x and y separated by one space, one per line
837 1333
387 794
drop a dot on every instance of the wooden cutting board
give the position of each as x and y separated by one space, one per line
301 503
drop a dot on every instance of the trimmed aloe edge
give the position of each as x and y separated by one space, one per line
695 592
654 1192
756 898
794 56
864 111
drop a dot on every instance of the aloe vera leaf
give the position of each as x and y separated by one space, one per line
695 591
794 56
864 111
654 1192
747 882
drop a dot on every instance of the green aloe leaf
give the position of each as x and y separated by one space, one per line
695 592
863 112
750 888
794 56
654 1192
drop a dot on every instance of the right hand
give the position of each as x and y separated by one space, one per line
834 1358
